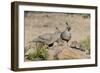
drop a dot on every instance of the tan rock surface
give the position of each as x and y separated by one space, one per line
64 52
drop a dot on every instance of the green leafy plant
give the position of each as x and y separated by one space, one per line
86 43
41 52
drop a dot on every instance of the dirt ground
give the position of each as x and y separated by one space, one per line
38 23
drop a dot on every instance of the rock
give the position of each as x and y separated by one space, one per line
29 46
53 51
30 51
73 44
70 53
77 45
60 52
63 52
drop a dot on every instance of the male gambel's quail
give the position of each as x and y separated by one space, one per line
66 34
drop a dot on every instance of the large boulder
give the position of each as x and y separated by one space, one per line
69 53
65 52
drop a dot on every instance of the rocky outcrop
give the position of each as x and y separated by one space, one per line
65 52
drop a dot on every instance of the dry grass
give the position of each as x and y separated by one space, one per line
39 53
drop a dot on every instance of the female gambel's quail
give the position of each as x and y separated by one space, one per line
48 38
66 34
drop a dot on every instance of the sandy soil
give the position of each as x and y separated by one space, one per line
38 23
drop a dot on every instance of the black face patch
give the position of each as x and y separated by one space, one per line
50 45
